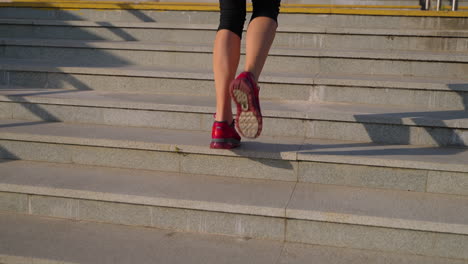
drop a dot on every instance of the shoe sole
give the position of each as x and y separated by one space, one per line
248 119
223 145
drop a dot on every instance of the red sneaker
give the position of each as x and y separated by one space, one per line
224 136
244 91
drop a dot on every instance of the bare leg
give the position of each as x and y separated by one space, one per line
260 36
226 56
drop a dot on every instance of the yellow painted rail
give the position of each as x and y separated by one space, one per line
285 8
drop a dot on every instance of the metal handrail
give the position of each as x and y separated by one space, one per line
454 5
439 5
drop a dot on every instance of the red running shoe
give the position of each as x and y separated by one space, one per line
224 136
244 91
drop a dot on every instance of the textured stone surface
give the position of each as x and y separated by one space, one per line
38 240
54 206
410 123
115 213
126 158
333 21
239 167
117 145
395 156
450 246
199 192
43 240
382 133
26 79
447 182
387 96
376 207
301 253
306 61
368 176
376 238
219 223
5 110
15 202
3 78
282 127
35 151
424 92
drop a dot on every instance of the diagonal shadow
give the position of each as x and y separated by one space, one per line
272 153
29 123
376 136
10 80
137 13
382 150
462 90
14 79
104 57
118 31
6 155
441 134
37 110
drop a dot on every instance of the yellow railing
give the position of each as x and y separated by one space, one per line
285 8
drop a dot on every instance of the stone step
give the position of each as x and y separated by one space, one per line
198 56
287 36
48 240
427 224
365 123
428 92
400 167
324 19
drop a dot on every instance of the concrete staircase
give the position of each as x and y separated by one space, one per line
105 116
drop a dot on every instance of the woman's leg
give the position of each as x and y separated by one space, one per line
226 56
260 36
226 53
244 90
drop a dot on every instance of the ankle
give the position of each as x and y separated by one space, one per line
221 119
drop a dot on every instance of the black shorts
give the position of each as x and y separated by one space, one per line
233 13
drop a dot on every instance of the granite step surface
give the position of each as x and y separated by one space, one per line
428 92
400 167
357 122
429 224
35 239
286 36
198 56
199 17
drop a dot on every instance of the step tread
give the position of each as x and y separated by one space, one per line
281 28
305 201
345 112
166 189
33 239
180 141
377 81
407 55
46 240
